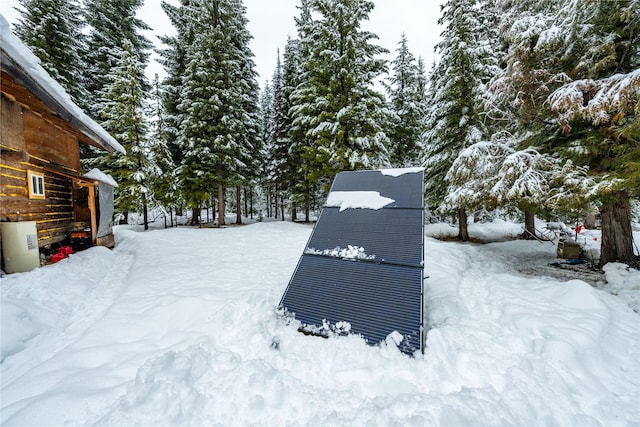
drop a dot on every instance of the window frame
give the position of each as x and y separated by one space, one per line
36 185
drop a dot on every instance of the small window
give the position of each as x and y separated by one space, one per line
36 185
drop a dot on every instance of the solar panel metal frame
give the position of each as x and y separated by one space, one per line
379 292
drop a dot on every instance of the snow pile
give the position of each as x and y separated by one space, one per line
328 329
496 230
179 327
54 300
357 200
350 252
98 175
624 282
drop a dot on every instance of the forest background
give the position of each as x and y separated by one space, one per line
530 108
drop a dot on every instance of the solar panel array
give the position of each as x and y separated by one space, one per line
362 269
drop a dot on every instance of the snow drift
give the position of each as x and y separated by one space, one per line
179 327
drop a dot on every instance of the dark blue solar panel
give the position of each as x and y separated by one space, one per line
364 266
375 299
406 190
386 235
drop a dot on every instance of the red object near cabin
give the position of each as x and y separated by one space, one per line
65 250
56 257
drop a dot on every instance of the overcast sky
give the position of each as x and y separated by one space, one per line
271 22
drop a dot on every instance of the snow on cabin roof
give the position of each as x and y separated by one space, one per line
98 175
18 56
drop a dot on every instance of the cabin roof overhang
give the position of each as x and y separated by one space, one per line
23 80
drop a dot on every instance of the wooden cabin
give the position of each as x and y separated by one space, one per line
41 130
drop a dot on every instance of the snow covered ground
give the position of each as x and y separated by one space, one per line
179 327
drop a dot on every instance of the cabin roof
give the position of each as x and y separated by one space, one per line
24 67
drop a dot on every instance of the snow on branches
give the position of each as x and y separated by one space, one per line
490 173
598 101
473 173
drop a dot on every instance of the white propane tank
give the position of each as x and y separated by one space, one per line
20 246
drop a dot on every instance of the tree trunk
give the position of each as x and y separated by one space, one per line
238 206
282 206
529 225
294 213
251 202
246 208
268 202
171 216
125 217
145 211
213 209
463 231
617 238
221 205
274 198
306 207
195 215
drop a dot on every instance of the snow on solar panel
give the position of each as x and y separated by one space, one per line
362 269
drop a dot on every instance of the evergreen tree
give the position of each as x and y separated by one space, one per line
219 110
123 99
407 101
162 168
474 174
532 66
279 139
303 185
173 59
493 173
458 87
266 120
597 111
253 147
266 124
52 30
335 102
112 23
296 183
201 107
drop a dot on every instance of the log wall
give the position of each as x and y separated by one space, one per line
28 142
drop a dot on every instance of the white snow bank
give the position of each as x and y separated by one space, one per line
400 171
350 252
624 281
179 327
45 302
30 63
98 175
357 200
493 333
491 231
